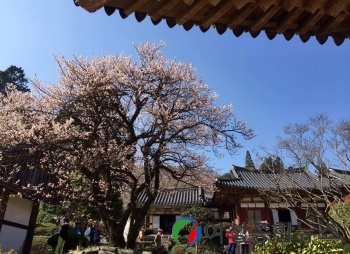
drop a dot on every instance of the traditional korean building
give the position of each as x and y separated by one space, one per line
169 205
305 18
19 203
251 196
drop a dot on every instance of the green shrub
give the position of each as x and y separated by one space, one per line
347 249
71 243
295 246
190 250
148 231
178 249
45 229
181 249
39 245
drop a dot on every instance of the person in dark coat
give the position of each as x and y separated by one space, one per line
95 234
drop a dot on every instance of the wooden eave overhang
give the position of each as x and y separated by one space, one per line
31 184
305 18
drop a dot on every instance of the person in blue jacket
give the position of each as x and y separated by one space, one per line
95 234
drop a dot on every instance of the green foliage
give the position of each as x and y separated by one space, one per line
226 176
272 164
71 243
48 213
190 250
39 245
347 249
249 164
295 246
340 213
14 75
201 214
178 249
148 231
45 229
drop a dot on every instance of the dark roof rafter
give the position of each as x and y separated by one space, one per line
306 18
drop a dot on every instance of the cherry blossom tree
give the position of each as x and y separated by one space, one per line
111 124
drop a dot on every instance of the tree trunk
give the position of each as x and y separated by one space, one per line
116 230
137 220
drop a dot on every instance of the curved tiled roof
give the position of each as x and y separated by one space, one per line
176 197
306 18
245 179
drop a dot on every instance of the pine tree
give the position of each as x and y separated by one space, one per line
272 165
249 164
13 75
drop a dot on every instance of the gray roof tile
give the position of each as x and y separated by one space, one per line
176 197
246 179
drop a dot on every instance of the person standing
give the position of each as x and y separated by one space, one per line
158 238
95 234
245 243
231 244
88 231
77 228
63 226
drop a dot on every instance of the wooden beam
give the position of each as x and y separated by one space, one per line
304 37
216 13
322 39
270 33
239 4
134 6
331 24
214 2
312 6
266 4
259 23
190 11
165 6
338 38
289 19
289 5
335 7
241 15
188 2
91 6
310 22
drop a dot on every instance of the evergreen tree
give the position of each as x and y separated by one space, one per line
14 75
272 165
267 165
226 176
249 164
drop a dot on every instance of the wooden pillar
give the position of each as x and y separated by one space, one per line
31 227
237 218
3 204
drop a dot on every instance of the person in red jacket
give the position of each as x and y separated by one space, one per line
231 244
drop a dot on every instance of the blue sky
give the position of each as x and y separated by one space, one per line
269 83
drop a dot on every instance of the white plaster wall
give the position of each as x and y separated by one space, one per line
12 238
18 210
156 222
